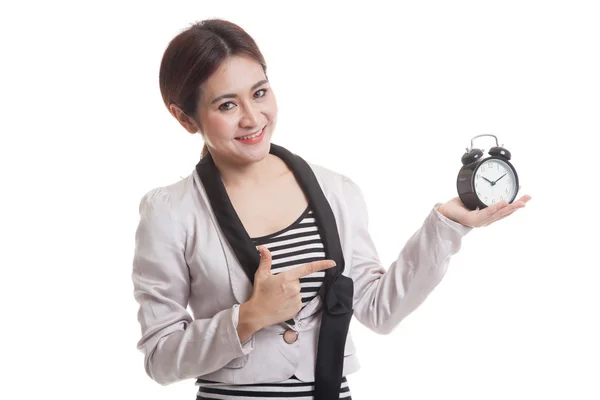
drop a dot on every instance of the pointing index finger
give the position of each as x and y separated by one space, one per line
309 268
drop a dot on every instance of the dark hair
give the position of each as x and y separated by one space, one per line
195 54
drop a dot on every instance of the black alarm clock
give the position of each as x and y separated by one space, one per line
483 182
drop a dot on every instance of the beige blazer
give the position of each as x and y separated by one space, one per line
183 260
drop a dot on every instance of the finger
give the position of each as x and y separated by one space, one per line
491 210
491 221
496 211
504 213
265 260
511 212
481 217
520 203
524 199
309 268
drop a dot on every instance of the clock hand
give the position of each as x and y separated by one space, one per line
492 183
498 179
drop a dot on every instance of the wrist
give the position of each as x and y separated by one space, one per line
442 211
248 321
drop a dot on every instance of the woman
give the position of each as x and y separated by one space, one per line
272 254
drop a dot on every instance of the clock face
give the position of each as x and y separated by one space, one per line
495 181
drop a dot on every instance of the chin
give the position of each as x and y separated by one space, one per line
260 150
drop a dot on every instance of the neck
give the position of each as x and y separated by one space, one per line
252 174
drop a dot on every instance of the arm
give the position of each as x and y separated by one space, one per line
175 347
382 299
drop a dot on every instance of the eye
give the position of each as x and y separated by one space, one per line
229 105
223 107
264 92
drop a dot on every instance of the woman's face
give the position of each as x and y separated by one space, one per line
237 101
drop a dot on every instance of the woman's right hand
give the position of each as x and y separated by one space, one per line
277 298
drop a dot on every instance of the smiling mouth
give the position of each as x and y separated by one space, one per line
252 136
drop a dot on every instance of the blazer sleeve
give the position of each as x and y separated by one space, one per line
175 347
382 299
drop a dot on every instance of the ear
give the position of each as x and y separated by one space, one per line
188 123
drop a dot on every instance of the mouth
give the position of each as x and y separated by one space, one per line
253 136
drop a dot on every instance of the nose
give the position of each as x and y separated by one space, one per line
250 118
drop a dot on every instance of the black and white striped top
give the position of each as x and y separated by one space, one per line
289 389
295 245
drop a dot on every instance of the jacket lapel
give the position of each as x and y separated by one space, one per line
227 219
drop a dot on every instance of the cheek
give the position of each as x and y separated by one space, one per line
271 109
219 125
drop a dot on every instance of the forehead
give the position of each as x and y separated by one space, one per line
235 75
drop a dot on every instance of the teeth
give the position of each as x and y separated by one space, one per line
251 136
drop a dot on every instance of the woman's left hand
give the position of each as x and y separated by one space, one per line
456 211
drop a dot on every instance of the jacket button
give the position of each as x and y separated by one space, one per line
290 336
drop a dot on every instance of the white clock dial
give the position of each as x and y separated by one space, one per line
494 182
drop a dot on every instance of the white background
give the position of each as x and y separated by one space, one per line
389 94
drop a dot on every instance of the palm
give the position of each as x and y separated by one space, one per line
456 211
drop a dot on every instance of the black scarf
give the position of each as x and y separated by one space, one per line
337 290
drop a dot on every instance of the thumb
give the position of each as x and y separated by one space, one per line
265 260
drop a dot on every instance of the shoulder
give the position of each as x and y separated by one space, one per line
342 189
335 180
330 178
168 200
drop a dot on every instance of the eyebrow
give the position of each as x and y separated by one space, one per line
233 95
